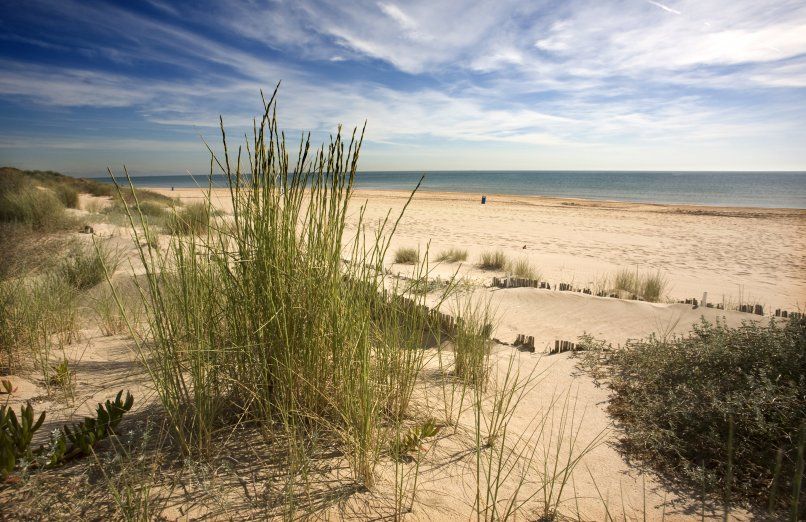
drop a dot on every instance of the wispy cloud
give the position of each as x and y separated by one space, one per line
532 81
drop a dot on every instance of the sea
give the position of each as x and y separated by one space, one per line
742 189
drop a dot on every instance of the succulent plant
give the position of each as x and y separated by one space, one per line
16 435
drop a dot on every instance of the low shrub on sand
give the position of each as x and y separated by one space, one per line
721 408
493 260
452 255
407 256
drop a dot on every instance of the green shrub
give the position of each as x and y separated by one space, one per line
493 260
676 400
191 219
407 256
452 255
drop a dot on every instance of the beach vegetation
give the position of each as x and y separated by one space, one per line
719 410
524 269
649 286
452 255
407 256
273 320
493 260
189 219
88 265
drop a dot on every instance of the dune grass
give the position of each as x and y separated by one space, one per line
719 410
452 255
650 286
407 256
189 219
270 325
493 260
37 316
36 207
523 268
87 265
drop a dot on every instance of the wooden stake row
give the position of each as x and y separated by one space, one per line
525 342
784 313
519 282
563 346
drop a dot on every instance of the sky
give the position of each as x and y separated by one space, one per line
442 85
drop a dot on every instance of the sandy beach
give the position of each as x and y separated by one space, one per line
732 253
752 255
735 254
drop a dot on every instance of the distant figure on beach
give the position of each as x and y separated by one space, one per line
483 200
172 189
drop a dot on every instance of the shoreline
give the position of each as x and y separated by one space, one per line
537 200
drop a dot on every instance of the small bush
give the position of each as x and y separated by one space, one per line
677 399
87 266
452 255
523 268
193 219
407 256
493 260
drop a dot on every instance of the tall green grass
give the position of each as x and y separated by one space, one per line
38 316
39 208
259 318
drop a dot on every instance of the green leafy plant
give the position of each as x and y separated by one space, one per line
16 435
83 436
413 439
65 443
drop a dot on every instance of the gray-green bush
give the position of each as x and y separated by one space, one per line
721 408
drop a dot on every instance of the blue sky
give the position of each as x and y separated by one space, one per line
577 84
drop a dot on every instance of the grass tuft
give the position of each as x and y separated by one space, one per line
493 260
190 219
407 256
87 266
523 268
452 255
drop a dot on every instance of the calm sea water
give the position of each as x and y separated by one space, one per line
746 189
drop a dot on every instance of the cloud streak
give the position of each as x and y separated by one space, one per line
529 81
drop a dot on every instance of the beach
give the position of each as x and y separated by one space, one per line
747 255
